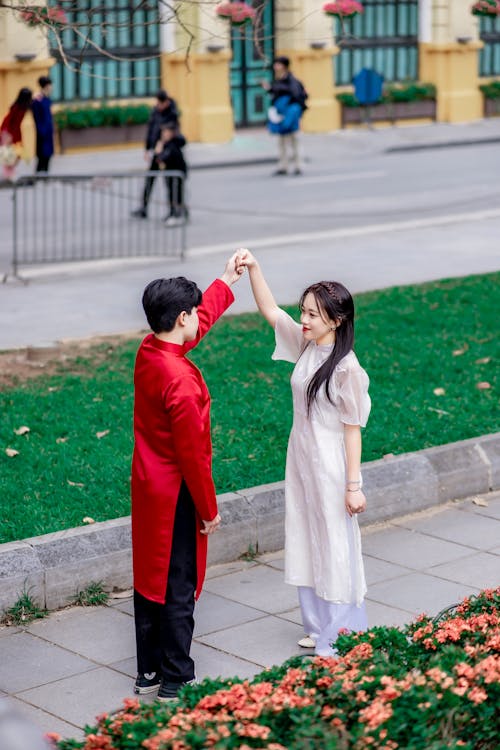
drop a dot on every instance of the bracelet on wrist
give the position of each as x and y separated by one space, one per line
353 481
356 490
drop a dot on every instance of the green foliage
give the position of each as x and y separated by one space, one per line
91 596
79 117
394 93
427 686
24 611
491 90
411 340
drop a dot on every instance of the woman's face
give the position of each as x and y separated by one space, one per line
316 325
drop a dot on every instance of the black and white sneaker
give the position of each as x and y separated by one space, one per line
147 683
169 690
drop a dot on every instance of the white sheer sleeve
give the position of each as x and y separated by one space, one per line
289 339
351 394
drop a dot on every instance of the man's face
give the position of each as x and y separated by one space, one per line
279 69
161 106
47 90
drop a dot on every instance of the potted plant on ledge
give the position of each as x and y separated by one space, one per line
400 101
80 126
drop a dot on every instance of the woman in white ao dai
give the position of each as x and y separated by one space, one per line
322 480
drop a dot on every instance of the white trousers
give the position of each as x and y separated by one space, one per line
289 143
322 620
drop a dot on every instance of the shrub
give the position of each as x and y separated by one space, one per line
77 118
491 90
432 685
394 93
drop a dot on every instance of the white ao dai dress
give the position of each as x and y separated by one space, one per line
322 542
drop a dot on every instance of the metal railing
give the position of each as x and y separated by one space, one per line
78 217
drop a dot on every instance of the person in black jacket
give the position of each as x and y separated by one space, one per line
165 111
288 90
169 156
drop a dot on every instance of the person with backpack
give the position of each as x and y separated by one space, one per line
288 104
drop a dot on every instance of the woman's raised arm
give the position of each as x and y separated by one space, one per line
263 295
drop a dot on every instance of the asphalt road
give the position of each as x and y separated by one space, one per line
368 218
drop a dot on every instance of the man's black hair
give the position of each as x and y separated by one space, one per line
44 81
162 95
283 60
164 300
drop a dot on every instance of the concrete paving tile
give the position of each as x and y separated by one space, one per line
102 634
127 606
481 570
214 612
28 661
379 570
410 549
420 592
273 559
44 721
265 642
215 571
293 615
211 662
381 614
452 525
79 699
10 630
492 510
260 587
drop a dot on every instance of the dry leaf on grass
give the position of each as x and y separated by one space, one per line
61 440
102 434
480 501
483 385
439 411
87 519
439 391
483 361
11 452
75 484
459 352
23 430
97 399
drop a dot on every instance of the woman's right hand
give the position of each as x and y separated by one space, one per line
246 258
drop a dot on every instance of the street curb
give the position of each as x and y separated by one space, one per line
444 144
54 567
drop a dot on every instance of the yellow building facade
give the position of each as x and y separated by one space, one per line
198 63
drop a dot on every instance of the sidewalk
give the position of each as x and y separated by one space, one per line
64 670
257 146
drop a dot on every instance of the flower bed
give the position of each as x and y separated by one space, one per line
400 101
488 8
433 685
238 13
101 126
491 94
343 8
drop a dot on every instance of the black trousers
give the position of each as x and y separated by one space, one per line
164 631
42 163
175 190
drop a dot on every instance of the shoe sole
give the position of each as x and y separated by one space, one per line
146 690
163 699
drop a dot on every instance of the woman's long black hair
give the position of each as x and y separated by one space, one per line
335 302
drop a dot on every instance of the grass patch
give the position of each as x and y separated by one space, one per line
24 611
75 461
91 596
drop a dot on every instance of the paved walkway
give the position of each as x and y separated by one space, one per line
64 670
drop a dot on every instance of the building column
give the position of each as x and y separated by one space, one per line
448 52
198 79
23 59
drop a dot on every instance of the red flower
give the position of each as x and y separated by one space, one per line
486 8
343 8
237 12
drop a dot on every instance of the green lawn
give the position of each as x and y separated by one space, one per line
411 340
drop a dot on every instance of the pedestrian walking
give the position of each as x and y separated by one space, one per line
11 139
288 104
322 480
42 114
165 111
174 506
169 157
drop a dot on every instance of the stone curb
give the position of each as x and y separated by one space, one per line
52 568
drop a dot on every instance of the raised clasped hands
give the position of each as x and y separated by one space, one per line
245 258
210 526
355 502
233 269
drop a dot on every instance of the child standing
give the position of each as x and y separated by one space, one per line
322 481
169 156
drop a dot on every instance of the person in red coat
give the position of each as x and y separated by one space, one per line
174 506
10 129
